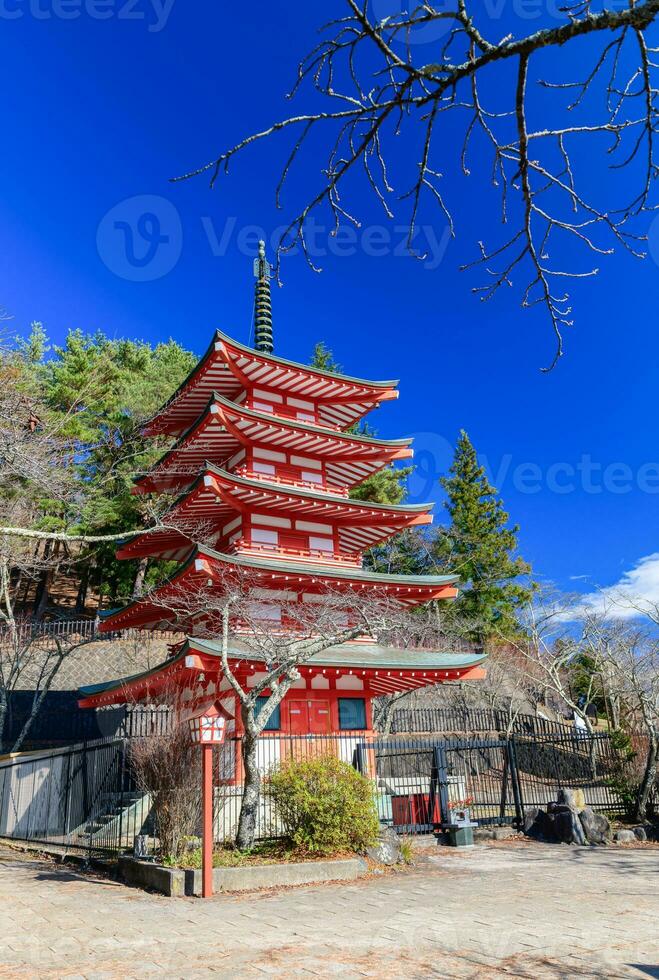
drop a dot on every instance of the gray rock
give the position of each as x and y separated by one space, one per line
531 821
568 827
565 797
563 825
558 808
624 837
652 830
578 835
493 833
596 826
540 825
387 849
640 833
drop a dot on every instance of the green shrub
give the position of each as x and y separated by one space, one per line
325 805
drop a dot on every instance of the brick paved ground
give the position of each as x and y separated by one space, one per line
504 910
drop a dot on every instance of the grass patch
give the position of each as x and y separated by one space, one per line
265 852
407 850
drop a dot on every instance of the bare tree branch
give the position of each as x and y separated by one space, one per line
374 88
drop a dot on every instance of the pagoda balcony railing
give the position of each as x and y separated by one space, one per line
290 476
316 555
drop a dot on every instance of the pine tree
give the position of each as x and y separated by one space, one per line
480 547
323 359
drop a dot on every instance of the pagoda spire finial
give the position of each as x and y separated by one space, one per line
262 303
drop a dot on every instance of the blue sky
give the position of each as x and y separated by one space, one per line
98 112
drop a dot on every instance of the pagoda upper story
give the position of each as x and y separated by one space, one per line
264 445
260 468
271 385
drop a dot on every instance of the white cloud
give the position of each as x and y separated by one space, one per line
637 588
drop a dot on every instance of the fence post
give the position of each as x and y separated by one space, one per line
359 758
514 779
504 783
440 765
67 796
122 781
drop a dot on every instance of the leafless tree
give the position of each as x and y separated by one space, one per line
375 83
38 494
425 628
622 652
166 767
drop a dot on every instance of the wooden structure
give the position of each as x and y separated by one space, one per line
263 457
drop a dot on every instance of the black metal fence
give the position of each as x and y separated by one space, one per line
497 777
84 798
72 629
422 720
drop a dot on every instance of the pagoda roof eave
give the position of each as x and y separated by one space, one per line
275 359
293 425
297 424
201 557
341 506
369 658
324 571
378 388
302 493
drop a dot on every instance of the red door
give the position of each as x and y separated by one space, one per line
319 717
298 717
309 717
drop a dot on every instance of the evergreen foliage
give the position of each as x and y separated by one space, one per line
480 546
97 393
323 359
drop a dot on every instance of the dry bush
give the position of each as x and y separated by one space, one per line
167 767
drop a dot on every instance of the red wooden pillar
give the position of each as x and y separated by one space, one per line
207 821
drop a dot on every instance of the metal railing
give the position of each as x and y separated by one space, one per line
290 477
77 628
81 799
422 720
316 555
84 798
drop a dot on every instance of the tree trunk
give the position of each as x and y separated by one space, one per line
138 585
37 701
251 793
649 779
81 598
3 716
385 717
42 594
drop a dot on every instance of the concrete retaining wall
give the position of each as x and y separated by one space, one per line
176 882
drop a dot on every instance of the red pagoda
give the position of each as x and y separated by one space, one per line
263 457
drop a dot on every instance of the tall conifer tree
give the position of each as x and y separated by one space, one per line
480 546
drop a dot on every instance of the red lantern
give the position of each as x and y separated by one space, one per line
208 727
